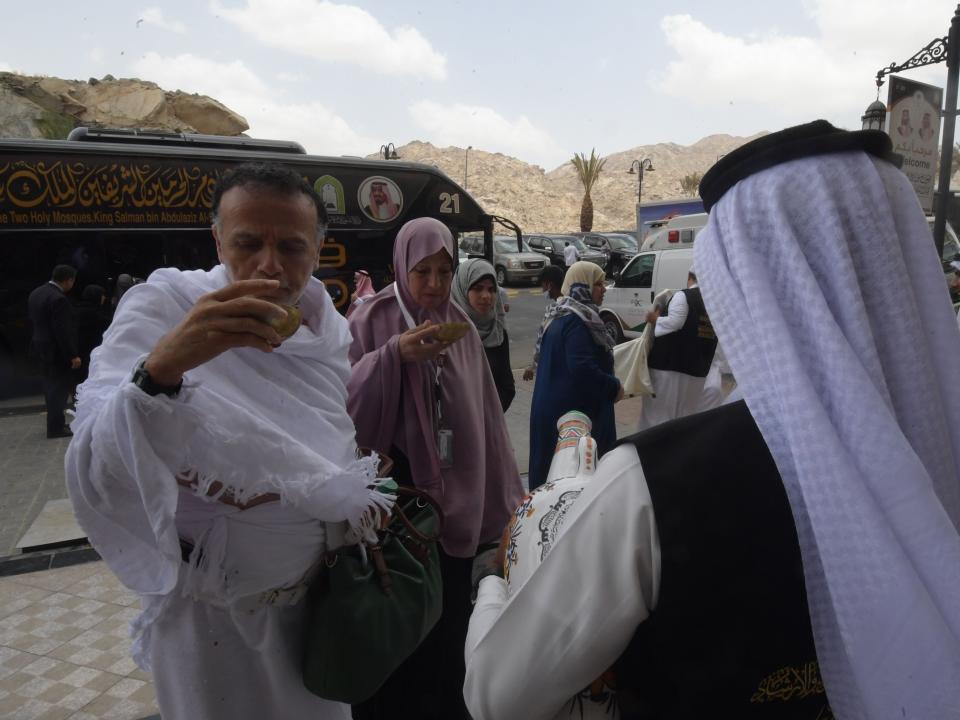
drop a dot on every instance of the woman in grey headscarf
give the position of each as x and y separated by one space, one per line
475 290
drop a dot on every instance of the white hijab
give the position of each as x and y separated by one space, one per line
822 281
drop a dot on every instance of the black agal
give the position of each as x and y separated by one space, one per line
816 138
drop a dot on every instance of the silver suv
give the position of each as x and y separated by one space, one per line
509 264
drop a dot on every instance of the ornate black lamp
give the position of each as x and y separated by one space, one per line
637 167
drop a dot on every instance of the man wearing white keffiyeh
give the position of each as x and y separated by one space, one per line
795 555
211 484
823 284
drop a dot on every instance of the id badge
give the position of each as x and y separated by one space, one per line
445 447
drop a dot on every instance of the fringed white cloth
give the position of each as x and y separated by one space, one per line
821 279
254 422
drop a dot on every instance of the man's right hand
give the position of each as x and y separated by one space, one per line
528 373
227 318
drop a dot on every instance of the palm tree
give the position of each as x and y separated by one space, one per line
691 183
588 171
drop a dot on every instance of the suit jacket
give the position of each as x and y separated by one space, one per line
54 339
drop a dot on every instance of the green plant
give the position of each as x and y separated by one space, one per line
588 170
691 183
53 126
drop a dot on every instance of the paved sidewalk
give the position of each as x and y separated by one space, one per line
64 648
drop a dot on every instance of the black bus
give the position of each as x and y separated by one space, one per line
125 201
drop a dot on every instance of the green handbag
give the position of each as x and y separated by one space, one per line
372 605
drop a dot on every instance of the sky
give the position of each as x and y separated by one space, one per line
536 80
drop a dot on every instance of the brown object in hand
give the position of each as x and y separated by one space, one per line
287 326
452 331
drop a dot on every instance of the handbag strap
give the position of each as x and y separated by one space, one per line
422 499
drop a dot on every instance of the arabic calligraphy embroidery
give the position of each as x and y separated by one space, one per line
790 683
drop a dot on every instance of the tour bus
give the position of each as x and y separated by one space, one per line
127 201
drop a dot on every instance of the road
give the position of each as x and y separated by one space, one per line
523 321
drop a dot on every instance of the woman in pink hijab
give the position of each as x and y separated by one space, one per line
402 379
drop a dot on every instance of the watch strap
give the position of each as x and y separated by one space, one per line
141 378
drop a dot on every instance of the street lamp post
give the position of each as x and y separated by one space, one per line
389 152
937 50
466 158
637 167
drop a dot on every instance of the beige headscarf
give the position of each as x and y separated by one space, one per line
584 272
577 298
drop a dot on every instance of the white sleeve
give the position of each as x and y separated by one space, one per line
675 318
126 450
530 653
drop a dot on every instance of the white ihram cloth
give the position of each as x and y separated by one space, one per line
630 365
563 619
256 422
676 394
823 284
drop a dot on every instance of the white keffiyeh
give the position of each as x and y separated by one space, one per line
821 279
254 422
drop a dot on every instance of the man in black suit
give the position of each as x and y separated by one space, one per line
54 343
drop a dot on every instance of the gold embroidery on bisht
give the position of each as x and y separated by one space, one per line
790 683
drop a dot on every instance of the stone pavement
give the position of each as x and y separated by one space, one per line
64 647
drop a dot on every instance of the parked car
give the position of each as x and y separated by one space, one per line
617 247
552 246
510 264
630 297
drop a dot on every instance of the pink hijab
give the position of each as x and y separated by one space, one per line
392 403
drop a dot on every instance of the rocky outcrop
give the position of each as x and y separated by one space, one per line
45 107
541 201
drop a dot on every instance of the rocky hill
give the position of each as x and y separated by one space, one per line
542 201
46 107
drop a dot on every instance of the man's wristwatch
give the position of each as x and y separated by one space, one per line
141 378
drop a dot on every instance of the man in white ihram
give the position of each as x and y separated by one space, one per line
570 254
209 455
792 555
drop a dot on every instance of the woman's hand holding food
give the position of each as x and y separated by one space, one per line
421 344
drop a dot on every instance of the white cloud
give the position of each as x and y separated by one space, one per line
318 129
485 128
154 16
332 32
798 78
4 67
291 77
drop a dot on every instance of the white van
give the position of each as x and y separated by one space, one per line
678 232
625 305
